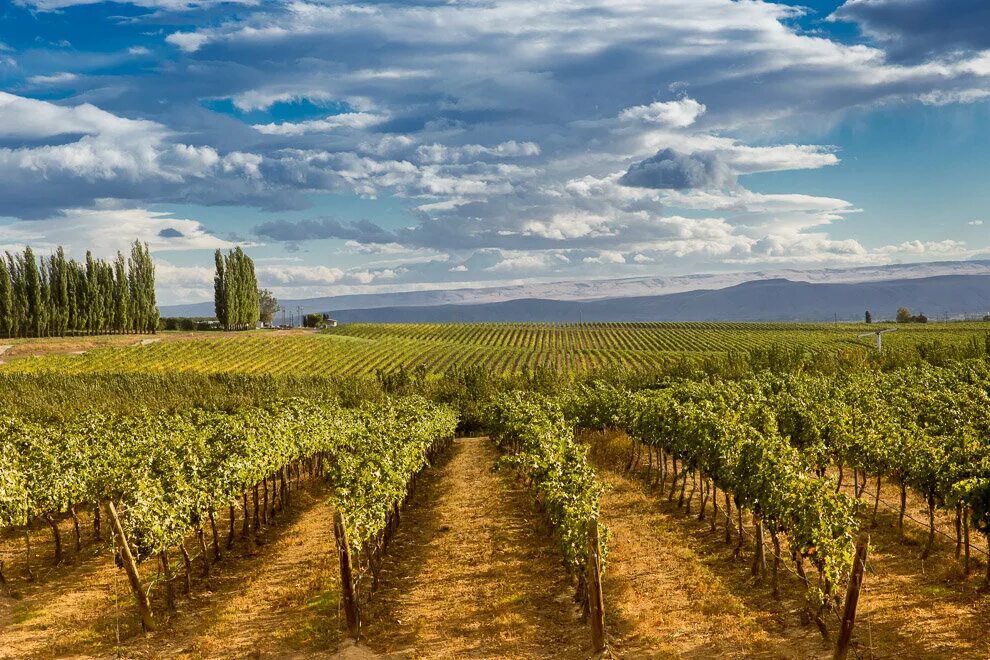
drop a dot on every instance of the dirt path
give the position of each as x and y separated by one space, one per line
671 586
473 571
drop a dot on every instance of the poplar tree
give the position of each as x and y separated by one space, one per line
6 301
58 276
121 295
19 316
56 296
32 292
44 300
219 290
235 290
141 280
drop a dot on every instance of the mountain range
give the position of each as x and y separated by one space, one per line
953 289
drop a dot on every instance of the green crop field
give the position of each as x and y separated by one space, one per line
199 476
362 349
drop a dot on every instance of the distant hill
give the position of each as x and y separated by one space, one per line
644 288
766 300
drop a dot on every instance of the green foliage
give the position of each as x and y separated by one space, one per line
236 297
376 452
54 296
539 442
267 306
548 356
729 433
166 471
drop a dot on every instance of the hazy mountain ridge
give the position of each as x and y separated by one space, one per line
609 289
760 300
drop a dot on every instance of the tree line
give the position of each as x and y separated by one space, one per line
236 297
55 296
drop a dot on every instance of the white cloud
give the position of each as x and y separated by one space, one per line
674 114
187 41
30 118
54 79
109 156
534 261
353 120
439 153
975 223
106 231
606 257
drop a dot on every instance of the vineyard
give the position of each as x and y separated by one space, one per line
361 349
260 494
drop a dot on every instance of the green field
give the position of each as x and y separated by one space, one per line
280 460
362 349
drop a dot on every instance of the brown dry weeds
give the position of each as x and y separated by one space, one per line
672 588
473 571
40 346
918 608
280 601
908 608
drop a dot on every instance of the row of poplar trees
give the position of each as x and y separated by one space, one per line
55 296
235 291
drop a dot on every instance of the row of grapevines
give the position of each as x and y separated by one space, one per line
539 442
722 433
169 473
924 428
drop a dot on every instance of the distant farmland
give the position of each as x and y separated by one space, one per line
360 349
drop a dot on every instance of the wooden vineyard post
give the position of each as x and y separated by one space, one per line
130 566
346 576
594 584
852 597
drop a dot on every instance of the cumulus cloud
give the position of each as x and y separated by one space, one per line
521 136
106 231
675 114
439 153
25 117
677 171
75 155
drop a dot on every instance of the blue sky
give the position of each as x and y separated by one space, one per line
393 145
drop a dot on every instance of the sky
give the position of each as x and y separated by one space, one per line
397 145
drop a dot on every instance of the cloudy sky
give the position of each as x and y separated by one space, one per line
392 145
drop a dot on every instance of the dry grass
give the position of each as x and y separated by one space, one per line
473 572
279 602
919 608
908 608
672 588
36 347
